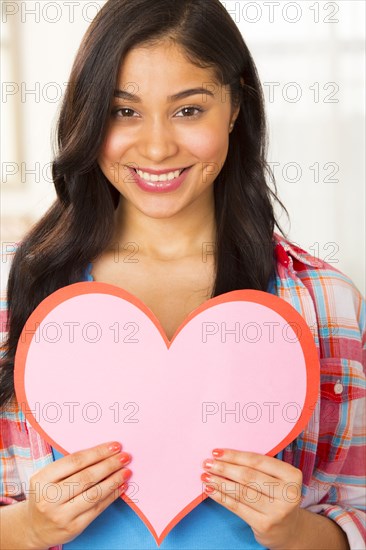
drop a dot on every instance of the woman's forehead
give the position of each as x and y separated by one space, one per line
165 62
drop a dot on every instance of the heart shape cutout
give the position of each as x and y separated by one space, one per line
93 364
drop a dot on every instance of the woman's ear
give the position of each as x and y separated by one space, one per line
234 116
235 113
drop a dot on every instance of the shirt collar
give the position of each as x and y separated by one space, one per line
285 252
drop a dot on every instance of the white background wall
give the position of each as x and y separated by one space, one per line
310 59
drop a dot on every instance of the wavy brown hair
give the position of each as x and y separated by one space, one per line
77 227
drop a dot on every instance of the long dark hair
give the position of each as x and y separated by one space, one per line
77 227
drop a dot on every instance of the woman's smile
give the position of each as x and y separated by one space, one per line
151 132
152 172
167 182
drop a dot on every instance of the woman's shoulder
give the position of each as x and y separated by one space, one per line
7 254
314 272
338 304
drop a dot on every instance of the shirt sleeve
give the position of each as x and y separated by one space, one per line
338 482
15 460
331 451
342 498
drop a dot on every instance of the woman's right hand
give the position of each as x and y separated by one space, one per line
67 495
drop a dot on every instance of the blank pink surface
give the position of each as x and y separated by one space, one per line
153 399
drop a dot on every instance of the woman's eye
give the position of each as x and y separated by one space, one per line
117 110
191 109
125 112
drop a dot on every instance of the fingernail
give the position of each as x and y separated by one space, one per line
218 452
114 447
126 474
125 458
209 489
208 463
122 488
206 477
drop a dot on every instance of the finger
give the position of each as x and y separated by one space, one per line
267 485
263 463
251 516
68 465
76 484
88 516
250 494
92 496
94 512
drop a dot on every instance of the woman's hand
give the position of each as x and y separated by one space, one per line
264 491
67 495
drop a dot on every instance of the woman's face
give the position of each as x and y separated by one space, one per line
152 131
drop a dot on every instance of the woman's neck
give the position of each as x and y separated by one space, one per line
191 232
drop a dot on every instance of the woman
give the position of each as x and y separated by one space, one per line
160 87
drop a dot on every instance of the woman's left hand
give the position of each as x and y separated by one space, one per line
264 491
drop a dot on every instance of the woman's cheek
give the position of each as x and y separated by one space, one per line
209 146
111 155
206 142
114 146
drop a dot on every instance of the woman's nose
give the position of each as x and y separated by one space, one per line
157 140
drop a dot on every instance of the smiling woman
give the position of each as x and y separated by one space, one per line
163 162
162 146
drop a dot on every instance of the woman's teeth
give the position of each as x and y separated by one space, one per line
163 177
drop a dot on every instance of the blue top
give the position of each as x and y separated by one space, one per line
209 526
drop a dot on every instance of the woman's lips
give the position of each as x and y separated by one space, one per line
160 186
160 172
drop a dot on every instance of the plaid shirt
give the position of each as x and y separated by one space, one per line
330 451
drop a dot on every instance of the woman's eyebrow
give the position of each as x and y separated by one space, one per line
122 94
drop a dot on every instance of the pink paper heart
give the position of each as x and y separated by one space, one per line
93 364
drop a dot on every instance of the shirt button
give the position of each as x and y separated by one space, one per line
338 387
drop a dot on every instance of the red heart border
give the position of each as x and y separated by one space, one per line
266 299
